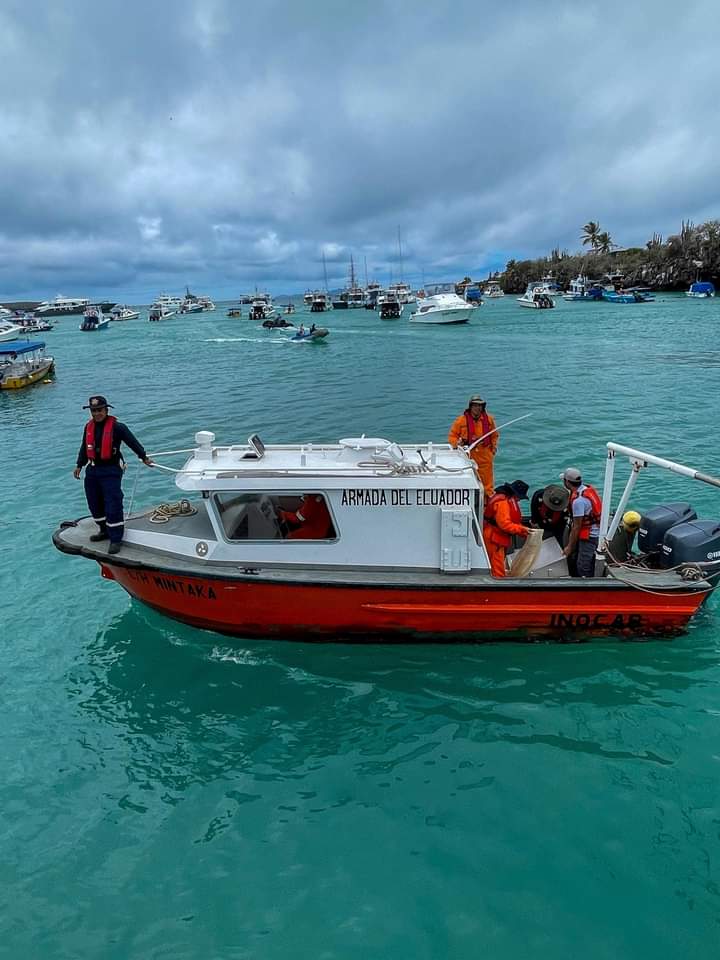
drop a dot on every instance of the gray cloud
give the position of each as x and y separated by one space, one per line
219 143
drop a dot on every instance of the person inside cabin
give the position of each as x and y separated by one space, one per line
503 520
548 511
311 521
472 425
585 509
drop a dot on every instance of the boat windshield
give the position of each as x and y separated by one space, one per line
433 289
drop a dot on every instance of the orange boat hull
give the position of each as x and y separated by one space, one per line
303 610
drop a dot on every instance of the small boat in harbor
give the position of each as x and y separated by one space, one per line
583 289
9 330
94 320
536 298
31 324
313 333
353 296
234 312
370 540
630 295
701 290
289 309
159 311
122 312
388 305
441 304
277 323
262 308
493 290
23 363
320 302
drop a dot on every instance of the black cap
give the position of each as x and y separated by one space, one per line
519 488
96 403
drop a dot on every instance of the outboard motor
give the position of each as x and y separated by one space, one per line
655 523
695 542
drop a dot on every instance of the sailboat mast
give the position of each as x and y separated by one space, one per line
325 272
400 252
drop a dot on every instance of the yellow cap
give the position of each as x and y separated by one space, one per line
631 518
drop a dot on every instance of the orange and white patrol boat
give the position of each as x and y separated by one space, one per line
369 540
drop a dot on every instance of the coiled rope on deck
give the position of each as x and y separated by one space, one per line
168 511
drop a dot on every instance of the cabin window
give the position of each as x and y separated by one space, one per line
273 516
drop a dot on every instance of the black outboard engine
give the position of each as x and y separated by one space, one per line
695 542
655 523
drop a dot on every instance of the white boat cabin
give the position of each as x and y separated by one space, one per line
375 504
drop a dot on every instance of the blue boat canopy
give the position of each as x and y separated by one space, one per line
20 346
702 286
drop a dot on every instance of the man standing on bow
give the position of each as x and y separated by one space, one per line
100 454
473 423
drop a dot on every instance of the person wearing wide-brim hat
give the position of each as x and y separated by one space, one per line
475 423
549 511
100 454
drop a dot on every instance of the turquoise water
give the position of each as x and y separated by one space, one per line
169 793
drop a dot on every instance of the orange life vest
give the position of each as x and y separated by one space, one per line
106 442
592 518
494 533
472 426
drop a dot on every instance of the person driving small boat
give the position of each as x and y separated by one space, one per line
311 521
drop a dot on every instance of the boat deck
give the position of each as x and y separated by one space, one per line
74 538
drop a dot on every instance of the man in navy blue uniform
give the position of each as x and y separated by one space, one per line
100 451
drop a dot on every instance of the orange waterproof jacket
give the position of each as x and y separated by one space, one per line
503 519
459 433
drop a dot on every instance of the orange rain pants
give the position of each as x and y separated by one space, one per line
482 456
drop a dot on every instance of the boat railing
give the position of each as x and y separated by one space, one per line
639 460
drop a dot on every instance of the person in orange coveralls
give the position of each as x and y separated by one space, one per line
473 423
503 519
311 521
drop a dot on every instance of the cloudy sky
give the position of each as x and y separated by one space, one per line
146 144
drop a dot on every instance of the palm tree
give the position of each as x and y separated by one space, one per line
603 242
590 234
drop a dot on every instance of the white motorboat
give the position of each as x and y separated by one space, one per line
536 297
442 305
206 304
160 311
403 292
94 319
262 308
388 305
122 312
493 290
32 324
9 330
320 302
308 297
